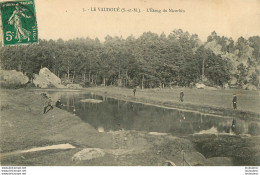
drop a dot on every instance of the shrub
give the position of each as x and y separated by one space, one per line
253 129
11 86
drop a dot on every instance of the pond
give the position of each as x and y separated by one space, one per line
108 114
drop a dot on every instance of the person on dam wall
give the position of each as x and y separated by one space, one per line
233 126
134 90
234 101
181 96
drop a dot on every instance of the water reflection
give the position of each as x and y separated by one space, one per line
113 114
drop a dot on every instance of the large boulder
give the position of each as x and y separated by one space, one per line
74 86
196 159
168 163
233 81
226 86
12 77
200 86
47 79
251 87
88 154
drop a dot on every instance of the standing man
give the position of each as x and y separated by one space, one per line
134 91
233 126
234 101
47 104
181 96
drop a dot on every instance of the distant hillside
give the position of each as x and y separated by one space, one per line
243 56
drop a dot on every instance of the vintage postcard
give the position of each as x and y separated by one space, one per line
130 83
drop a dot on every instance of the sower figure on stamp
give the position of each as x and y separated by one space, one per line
234 101
47 104
181 96
15 19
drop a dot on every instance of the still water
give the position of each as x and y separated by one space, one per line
113 114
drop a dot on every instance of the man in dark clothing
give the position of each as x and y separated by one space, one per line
58 104
134 91
233 126
47 104
181 96
234 101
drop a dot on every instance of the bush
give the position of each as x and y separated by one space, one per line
239 128
5 107
253 129
86 84
30 85
12 86
51 86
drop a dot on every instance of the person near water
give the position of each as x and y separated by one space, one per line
47 104
181 96
233 126
58 104
134 91
234 101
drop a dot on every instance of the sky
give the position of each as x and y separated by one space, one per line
69 19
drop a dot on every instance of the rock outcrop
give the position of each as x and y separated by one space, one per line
47 79
200 86
74 86
249 86
88 154
12 77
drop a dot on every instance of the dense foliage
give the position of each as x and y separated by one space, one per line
148 61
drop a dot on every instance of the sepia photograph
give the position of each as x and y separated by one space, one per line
129 83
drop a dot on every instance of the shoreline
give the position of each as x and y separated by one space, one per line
172 104
186 106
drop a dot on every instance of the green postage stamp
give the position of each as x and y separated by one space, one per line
18 22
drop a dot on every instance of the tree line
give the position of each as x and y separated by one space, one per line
151 60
